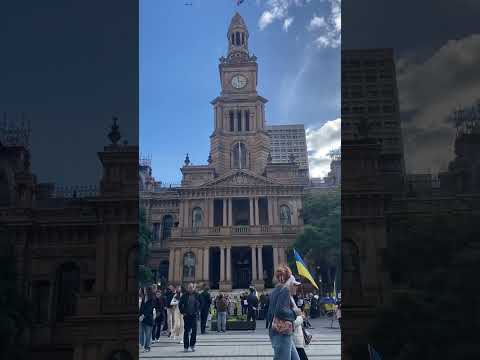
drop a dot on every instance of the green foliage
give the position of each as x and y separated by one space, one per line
436 315
145 237
319 243
15 310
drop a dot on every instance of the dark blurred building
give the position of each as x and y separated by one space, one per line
76 251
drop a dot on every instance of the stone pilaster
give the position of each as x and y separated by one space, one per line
222 264
206 262
171 260
260 283
254 264
229 264
230 222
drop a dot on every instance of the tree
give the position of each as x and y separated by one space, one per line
145 276
319 243
15 309
436 314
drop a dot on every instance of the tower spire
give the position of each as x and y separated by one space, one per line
237 36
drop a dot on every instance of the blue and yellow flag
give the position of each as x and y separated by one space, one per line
302 268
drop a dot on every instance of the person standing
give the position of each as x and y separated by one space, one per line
159 306
141 297
298 338
252 305
281 315
190 307
178 324
265 311
169 294
205 302
146 318
221 305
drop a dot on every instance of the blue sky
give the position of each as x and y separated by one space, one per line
297 45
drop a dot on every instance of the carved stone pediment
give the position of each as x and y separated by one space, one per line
241 178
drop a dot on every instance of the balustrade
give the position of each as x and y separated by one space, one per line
236 230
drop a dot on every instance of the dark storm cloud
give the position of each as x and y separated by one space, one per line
437 53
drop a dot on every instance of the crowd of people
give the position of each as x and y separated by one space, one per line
177 312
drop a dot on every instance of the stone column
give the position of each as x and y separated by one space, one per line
180 214
176 266
187 214
257 214
181 252
252 220
222 263
276 218
199 264
211 207
206 264
224 212
230 222
281 255
254 264
171 260
275 258
260 263
229 264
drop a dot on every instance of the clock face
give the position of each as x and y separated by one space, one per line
239 81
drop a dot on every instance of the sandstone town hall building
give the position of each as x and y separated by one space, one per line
231 220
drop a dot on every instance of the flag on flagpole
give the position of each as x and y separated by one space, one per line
302 268
373 354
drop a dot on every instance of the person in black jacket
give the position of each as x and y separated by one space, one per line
189 307
252 305
146 318
205 302
159 305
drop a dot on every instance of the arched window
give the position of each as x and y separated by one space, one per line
285 218
68 290
189 267
239 156
232 122
243 38
167 227
197 217
233 38
247 120
237 38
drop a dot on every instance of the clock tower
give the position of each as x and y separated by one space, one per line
239 139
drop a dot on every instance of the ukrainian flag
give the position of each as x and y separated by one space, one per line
302 268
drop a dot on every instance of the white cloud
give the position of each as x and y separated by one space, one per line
320 141
329 28
277 10
316 23
431 90
287 22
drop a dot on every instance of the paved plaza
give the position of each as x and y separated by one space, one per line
236 345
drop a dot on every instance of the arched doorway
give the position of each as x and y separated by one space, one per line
242 269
